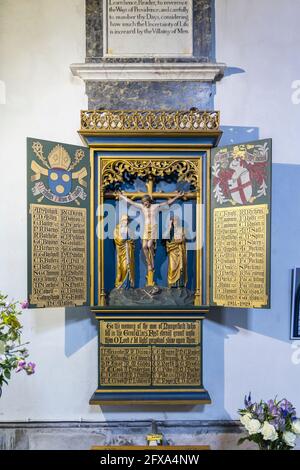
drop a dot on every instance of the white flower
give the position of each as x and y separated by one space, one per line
289 438
296 426
253 426
269 432
245 418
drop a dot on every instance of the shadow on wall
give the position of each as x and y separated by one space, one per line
237 135
285 255
233 71
80 328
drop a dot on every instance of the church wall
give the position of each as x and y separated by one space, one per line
258 42
244 350
133 95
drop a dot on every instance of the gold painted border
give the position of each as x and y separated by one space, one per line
150 312
199 239
208 226
195 157
92 229
99 229
199 198
148 147
126 317
150 133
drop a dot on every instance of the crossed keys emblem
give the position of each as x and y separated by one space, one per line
59 170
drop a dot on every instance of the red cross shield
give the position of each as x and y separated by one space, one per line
241 187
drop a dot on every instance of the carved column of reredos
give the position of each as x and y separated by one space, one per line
146 55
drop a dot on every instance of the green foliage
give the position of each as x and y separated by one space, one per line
13 353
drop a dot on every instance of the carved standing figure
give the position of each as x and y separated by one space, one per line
177 257
125 254
150 235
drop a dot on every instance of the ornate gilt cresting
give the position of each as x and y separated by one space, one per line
105 121
187 170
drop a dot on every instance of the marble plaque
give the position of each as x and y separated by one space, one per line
148 28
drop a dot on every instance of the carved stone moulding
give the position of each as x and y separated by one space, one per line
186 71
149 121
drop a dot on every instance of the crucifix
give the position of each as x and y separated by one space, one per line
150 211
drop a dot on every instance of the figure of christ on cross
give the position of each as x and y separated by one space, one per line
150 212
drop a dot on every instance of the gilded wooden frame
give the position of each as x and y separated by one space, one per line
101 196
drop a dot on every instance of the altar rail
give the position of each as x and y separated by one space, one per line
104 121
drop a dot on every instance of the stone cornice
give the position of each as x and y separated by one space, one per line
194 72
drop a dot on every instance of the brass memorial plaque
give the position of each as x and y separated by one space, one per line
152 353
180 366
139 332
239 264
59 255
125 366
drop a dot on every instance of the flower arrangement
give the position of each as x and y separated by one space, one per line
13 354
272 425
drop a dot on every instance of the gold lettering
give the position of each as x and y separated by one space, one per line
240 265
59 256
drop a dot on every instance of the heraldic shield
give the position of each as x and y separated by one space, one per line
60 181
53 177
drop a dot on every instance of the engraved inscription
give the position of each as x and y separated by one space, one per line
130 332
240 265
125 366
59 256
148 28
176 366
176 363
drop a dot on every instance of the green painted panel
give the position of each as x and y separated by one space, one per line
58 178
240 225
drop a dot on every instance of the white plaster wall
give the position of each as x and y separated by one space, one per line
39 39
261 37
39 97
